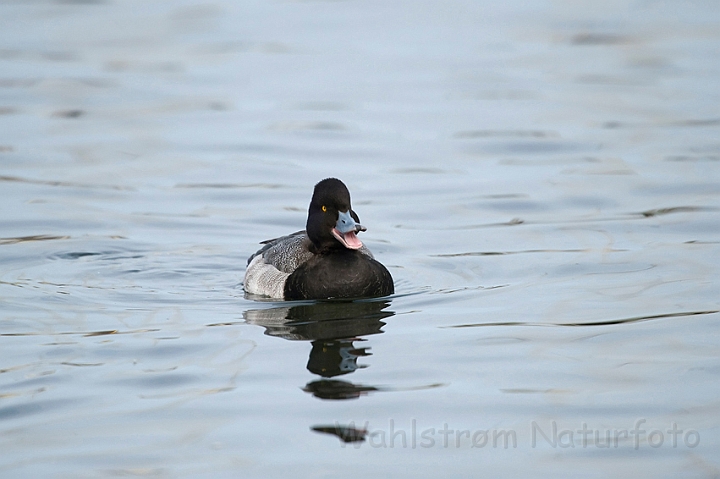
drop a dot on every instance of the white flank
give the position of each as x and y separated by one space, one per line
265 279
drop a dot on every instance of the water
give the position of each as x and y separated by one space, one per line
541 180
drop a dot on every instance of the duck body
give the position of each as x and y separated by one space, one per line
324 261
345 274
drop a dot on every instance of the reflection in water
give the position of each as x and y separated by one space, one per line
345 433
336 389
333 358
322 320
333 327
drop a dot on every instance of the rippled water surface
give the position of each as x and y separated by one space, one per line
542 179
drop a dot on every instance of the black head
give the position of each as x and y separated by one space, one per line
331 222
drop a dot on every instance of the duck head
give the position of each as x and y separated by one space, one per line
331 223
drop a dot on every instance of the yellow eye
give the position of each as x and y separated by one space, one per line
324 209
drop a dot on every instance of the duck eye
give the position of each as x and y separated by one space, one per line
324 208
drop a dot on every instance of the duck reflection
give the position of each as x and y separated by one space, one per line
322 320
333 328
330 358
344 433
336 389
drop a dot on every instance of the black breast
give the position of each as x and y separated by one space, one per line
340 274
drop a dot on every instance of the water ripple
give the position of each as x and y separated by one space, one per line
18 179
608 322
24 239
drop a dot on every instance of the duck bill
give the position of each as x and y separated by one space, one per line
348 240
346 229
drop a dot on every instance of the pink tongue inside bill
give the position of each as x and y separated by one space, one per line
349 240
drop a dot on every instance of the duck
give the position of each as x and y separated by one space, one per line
326 260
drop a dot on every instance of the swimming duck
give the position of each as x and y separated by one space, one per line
326 260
